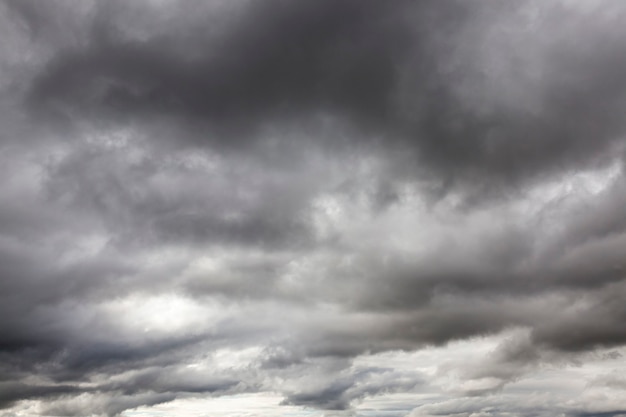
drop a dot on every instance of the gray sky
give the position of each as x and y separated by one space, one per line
312 208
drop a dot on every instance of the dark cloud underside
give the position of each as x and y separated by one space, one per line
250 197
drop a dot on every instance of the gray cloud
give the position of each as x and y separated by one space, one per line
342 391
365 61
223 198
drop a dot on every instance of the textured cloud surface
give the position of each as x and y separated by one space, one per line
312 207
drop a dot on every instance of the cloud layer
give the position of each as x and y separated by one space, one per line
353 207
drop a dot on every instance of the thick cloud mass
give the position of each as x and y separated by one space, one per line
312 207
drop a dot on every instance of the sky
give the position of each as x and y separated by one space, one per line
322 208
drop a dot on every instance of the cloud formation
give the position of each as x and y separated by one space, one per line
407 208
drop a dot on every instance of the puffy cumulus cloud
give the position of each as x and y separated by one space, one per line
344 207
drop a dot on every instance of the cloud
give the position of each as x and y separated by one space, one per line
417 74
239 198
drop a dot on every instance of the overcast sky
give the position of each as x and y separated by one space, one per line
381 208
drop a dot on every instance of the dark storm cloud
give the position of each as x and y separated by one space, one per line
173 200
391 67
276 58
32 289
318 180
339 394
11 392
599 323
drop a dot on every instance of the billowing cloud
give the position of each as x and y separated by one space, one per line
346 207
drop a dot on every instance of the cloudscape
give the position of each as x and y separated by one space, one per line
394 208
